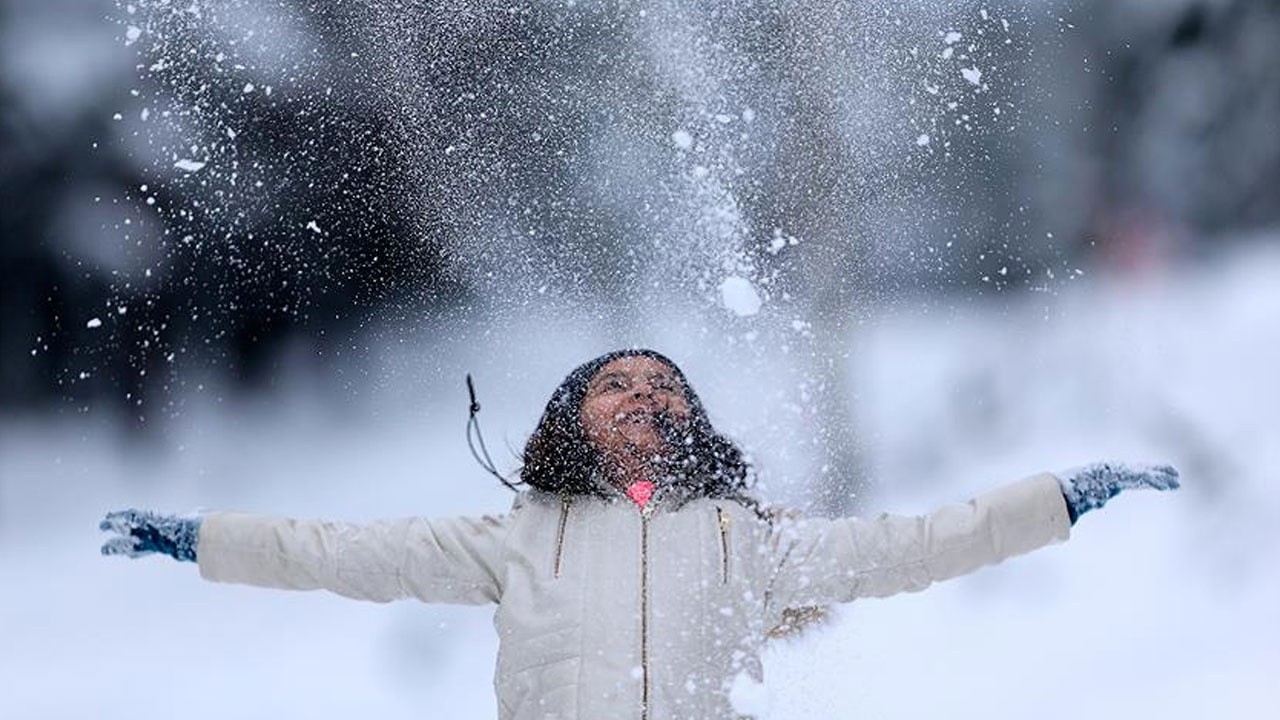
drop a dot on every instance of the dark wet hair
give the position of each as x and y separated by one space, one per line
703 463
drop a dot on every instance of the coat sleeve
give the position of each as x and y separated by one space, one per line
452 560
818 561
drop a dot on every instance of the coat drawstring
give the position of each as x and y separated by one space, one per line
482 455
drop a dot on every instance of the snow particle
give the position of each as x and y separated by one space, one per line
952 37
131 34
682 139
973 75
780 241
94 323
922 140
740 296
189 165
313 227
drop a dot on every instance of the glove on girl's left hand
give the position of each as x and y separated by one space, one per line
1089 487
143 532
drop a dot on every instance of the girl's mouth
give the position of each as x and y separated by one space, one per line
636 417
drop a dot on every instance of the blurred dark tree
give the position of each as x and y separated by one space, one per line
1187 112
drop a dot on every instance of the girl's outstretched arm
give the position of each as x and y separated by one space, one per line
455 560
822 561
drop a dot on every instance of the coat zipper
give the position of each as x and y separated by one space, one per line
723 518
564 519
644 609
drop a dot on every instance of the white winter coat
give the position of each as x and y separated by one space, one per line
607 612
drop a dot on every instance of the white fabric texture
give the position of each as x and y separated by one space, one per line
603 612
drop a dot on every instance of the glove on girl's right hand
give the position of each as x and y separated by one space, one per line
143 532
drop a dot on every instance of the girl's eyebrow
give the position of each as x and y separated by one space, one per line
606 376
621 375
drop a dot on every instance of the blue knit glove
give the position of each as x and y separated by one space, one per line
143 532
1090 486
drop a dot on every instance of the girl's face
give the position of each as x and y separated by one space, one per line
626 399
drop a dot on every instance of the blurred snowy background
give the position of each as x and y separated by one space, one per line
906 251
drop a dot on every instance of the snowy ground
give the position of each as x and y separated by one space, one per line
1160 606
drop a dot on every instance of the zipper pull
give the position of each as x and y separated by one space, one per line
564 519
723 519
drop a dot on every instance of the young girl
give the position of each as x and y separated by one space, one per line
636 577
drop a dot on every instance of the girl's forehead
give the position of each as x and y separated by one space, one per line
641 365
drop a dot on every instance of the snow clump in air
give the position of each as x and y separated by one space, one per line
780 240
740 296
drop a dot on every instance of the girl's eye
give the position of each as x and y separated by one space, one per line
663 383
